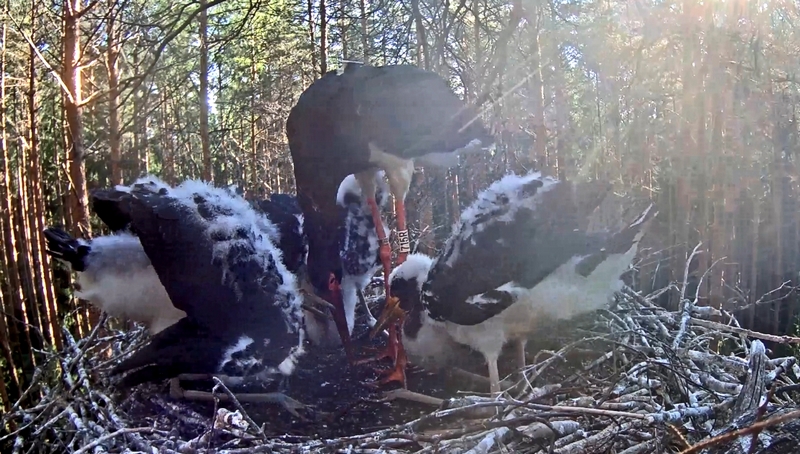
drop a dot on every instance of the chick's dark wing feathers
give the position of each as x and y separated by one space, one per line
223 289
104 205
175 241
283 210
521 250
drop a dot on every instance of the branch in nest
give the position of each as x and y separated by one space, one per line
720 439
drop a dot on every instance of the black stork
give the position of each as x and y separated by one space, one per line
359 121
359 243
359 247
218 260
521 254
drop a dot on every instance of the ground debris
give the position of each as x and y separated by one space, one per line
635 379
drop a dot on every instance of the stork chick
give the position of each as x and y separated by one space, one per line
521 254
218 261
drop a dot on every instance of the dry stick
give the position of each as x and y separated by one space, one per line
719 439
104 438
686 305
762 409
791 340
587 411
641 314
88 340
11 413
402 393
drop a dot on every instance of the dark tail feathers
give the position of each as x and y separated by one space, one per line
62 245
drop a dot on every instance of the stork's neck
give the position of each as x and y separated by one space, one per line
321 223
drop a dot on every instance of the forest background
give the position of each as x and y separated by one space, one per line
689 103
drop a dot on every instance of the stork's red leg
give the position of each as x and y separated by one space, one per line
398 372
390 351
403 239
385 249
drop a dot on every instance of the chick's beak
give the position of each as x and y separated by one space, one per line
314 303
391 313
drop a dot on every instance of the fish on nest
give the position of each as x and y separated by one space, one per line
523 253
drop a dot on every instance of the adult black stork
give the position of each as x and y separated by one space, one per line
218 261
358 121
522 253
115 275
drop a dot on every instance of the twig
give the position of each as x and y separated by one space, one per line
218 384
120 432
719 439
788 340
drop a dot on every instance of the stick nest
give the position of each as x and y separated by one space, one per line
636 379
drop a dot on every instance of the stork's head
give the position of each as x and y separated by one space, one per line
405 284
324 265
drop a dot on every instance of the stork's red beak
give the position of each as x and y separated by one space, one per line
334 296
391 313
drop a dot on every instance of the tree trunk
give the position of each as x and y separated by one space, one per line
323 38
204 140
365 47
114 133
140 119
30 297
36 221
344 24
384 50
423 57
11 300
680 165
429 177
253 139
168 152
476 39
312 38
71 75
345 43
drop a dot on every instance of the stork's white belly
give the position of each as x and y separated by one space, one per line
432 346
561 295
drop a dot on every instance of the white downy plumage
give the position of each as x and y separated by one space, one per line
115 275
359 249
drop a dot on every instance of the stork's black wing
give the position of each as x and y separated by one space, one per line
284 211
212 258
410 112
518 231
